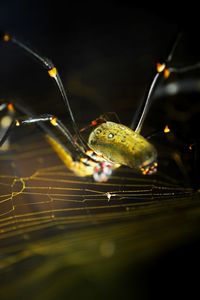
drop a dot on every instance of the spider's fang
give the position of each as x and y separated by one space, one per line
102 172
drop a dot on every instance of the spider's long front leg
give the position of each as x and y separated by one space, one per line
48 65
77 161
12 109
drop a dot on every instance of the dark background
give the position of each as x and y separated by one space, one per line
106 55
106 51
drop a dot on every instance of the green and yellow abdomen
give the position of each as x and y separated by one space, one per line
121 145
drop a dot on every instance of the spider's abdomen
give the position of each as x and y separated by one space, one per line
121 145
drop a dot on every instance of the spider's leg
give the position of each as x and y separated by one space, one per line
80 162
184 69
77 150
7 115
162 71
43 119
53 73
11 110
7 108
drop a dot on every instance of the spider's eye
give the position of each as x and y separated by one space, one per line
110 135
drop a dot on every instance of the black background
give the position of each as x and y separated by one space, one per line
106 55
111 48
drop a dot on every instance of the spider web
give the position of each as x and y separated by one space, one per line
43 206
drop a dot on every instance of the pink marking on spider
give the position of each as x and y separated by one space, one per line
102 171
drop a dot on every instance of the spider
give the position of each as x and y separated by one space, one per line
109 145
